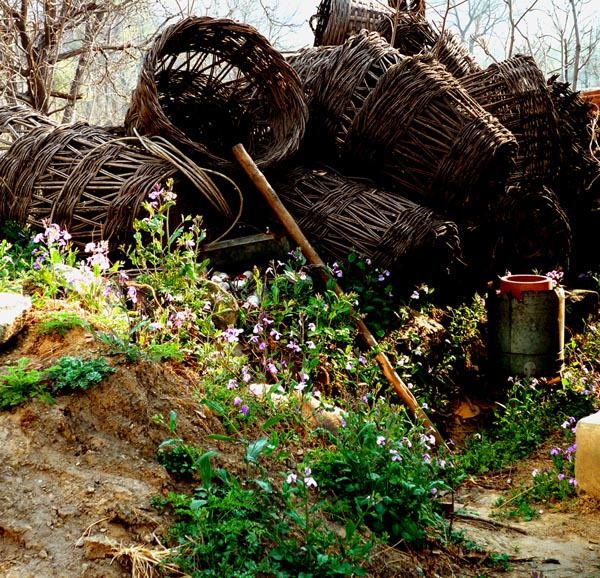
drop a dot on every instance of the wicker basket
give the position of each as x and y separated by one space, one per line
421 133
343 215
530 231
515 91
337 80
412 34
413 6
336 20
578 180
93 184
16 121
207 84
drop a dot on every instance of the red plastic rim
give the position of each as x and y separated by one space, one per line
517 284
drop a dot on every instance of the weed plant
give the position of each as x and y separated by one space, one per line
60 323
293 341
19 384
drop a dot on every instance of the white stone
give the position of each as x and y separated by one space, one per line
587 455
13 309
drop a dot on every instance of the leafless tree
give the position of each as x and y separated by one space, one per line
48 48
573 41
476 20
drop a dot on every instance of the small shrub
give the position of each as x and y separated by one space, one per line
74 373
60 323
18 384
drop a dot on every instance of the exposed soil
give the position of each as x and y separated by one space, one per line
77 477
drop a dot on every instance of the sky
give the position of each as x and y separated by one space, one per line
302 10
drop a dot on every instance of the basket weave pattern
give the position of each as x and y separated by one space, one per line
337 80
516 93
207 84
429 138
337 20
345 215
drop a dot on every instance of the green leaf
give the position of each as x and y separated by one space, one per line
255 449
272 421
264 485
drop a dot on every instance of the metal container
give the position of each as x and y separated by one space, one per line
526 335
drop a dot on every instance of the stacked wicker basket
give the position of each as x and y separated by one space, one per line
385 138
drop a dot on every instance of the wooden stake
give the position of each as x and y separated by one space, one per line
312 257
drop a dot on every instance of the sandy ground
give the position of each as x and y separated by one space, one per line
77 477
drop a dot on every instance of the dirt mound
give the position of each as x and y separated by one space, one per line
77 478
78 475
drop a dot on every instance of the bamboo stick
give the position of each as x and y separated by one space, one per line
313 257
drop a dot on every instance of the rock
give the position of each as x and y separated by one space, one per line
581 306
96 547
13 312
224 305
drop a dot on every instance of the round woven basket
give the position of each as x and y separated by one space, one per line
337 80
412 34
530 231
207 84
93 184
578 180
414 6
336 20
515 91
18 120
420 132
344 215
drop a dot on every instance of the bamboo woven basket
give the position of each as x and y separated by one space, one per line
337 80
420 132
577 183
93 184
207 84
530 230
18 120
344 215
413 6
515 91
336 20
412 34
578 180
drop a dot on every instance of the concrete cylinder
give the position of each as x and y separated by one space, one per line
526 336
587 455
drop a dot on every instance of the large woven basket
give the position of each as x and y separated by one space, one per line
337 80
413 6
530 231
420 132
344 215
578 180
93 184
207 84
515 91
18 120
336 20
412 34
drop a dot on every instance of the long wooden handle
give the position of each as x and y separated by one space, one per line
313 257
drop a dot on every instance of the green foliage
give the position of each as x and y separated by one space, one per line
373 289
178 457
74 373
15 253
59 323
232 529
498 561
294 338
527 418
381 469
118 345
18 384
